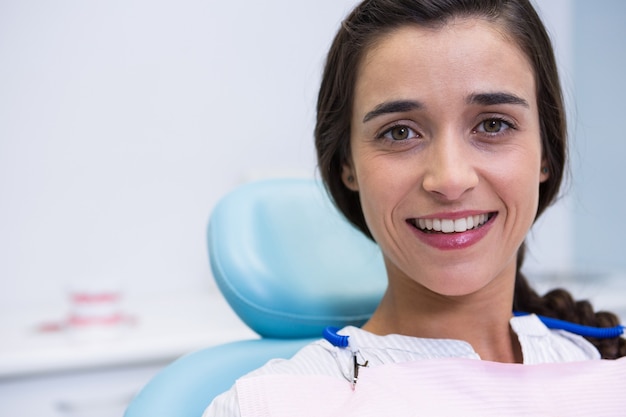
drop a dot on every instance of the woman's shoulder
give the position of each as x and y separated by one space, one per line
318 357
543 345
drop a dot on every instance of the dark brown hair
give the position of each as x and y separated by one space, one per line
369 22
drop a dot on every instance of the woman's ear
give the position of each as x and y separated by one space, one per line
545 172
349 178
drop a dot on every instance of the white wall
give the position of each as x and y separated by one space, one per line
122 122
600 137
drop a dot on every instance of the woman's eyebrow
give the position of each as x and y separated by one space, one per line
490 99
397 106
485 99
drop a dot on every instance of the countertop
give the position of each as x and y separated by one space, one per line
156 328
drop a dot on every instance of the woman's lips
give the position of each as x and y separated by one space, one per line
447 233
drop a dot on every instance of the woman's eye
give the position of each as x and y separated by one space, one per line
399 132
493 126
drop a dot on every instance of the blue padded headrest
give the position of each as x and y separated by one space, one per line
288 263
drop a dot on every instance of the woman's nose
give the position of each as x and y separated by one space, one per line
450 169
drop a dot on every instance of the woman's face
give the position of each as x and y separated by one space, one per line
446 154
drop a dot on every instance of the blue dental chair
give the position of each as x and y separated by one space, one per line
289 265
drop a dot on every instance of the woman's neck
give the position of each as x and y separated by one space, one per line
481 319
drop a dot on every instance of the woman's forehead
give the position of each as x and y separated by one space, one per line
469 54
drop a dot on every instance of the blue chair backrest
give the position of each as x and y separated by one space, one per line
289 263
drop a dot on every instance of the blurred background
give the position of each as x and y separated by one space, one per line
123 122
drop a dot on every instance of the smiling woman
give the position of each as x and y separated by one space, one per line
468 145
441 136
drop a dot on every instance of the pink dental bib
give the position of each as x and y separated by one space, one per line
444 387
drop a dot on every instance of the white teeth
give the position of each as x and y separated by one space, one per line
460 225
451 226
447 226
